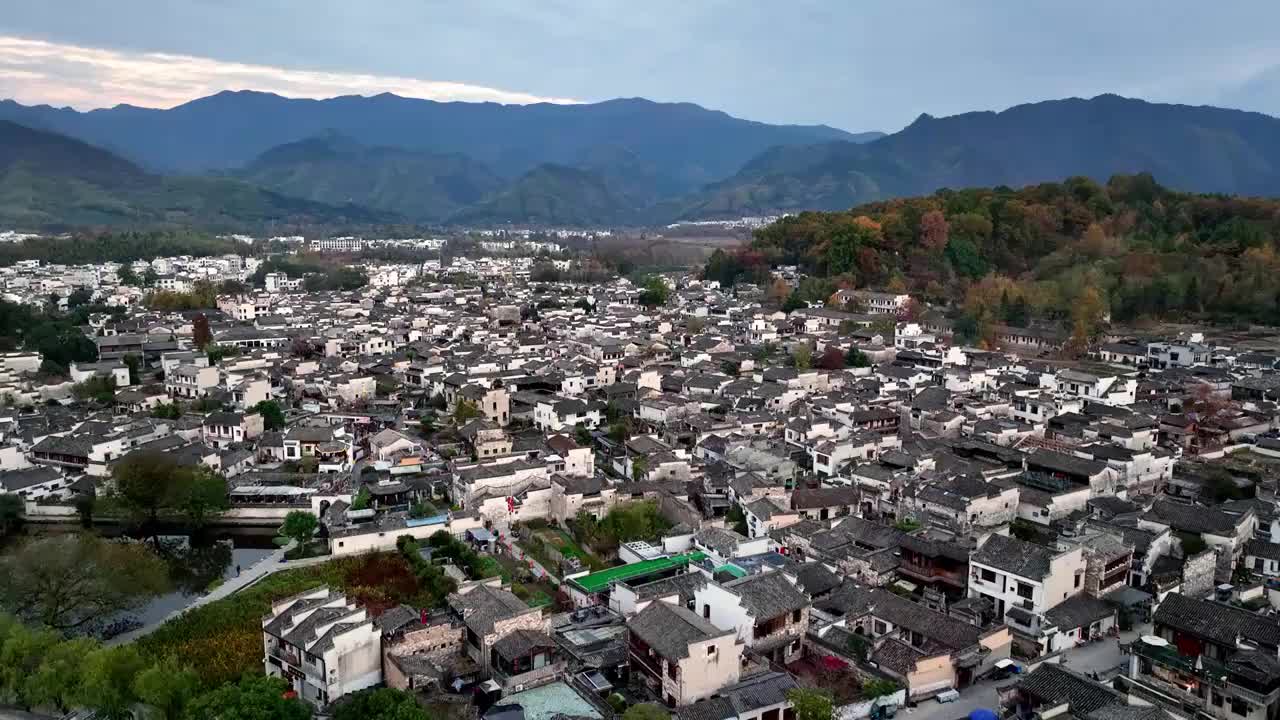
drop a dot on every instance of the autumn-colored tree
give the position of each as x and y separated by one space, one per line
779 290
201 335
934 230
1089 310
832 359
911 311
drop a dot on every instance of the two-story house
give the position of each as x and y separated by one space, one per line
769 614
221 429
1023 581
188 382
680 655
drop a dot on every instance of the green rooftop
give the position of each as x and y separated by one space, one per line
597 581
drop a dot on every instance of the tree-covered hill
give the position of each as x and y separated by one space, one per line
1069 252
336 170
49 180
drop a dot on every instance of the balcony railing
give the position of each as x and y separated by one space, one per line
927 573
1210 671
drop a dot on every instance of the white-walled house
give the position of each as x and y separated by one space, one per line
1024 580
769 614
323 645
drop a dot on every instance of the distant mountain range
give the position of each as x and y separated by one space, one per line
49 181
1199 149
244 158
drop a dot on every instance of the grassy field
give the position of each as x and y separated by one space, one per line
565 544
223 639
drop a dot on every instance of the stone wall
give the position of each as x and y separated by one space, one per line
1198 573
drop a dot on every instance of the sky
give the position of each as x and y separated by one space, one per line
853 64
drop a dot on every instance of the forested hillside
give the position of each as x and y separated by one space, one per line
1068 252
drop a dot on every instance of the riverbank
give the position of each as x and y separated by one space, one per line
272 563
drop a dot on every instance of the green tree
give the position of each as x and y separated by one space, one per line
168 686
127 276
272 416
380 704
803 356
464 411
639 468
21 653
106 684
855 358
79 296
167 411
134 363
57 679
85 504
254 697
11 508
646 711
201 495
655 292
216 352
872 689
99 388
737 519
362 499
299 525
810 704
65 581
582 435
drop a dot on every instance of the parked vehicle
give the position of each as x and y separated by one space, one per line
948 696
1003 669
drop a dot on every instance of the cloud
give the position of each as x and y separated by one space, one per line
38 71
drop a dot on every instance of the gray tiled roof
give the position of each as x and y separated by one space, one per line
742 699
1015 556
1078 611
670 629
1216 622
768 595
483 606
1053 685
1192 518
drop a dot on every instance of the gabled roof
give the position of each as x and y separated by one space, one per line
1015 556
1050 684
767 595
1192 518
481 607
1219 623
670 629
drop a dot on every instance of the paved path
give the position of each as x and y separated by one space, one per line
248 576
519 554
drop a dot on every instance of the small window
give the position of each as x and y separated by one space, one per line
1078 579
988 575
711 650
706 611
